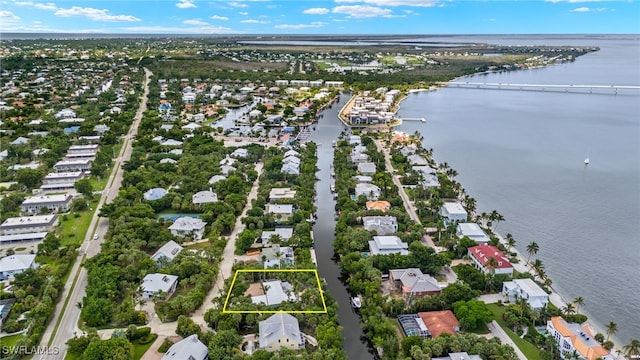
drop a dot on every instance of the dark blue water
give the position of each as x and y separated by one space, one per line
522 153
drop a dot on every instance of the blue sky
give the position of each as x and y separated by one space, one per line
322 17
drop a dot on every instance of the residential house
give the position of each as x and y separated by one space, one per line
481 254
380 205
277 256
281 193
417 160
155 194
215 178
280 211
362 178
188 227
453 211
382 225
240 153
459 356
413 283
290 153
81 149
370 191
54 203
62 178
389 244
226 169
525 289
367 168
73 165
275 292
157 283
167 252
359 158
279 331
20 141
575 337
189 348
227 161
472 231
284 233
355 140
204 197
15 264
29 224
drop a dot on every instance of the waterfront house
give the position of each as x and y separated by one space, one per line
575 337
54 203
204 197
380 205
29 224
459 356
290 168
382 225
157 283
481 254
370 191
189 348
167 252
290 153
188 227
279 331
277 256
362 178
281 193
284 233
367 168
453 211
472 231
386 245
280 211
439 322
274 293
417 160
15 264
413 283
525 289
155 194
355 140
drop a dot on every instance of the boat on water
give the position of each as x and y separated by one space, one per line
586 161
356 302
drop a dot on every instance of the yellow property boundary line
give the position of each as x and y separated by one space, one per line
235 276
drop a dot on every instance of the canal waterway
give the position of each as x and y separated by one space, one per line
327 130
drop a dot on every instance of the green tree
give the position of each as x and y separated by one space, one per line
632 349
579 301
187 327
83 186
112 349
29 178
532 249
472 314
612 329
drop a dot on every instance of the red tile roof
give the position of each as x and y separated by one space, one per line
484 252
439 322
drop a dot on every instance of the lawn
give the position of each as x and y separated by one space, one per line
11 340
527 348
73 230
140 349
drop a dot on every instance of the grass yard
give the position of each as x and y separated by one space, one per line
11 340
73 230
527 348
140 349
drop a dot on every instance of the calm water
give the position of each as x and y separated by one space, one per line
522 152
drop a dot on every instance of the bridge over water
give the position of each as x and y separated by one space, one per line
543 87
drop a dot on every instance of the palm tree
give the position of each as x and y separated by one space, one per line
579 301
612 328
569 309
538 266
532 249
632 349
511 242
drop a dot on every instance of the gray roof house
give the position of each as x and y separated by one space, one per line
418 160
240 153
284 233
204 197
156 283
189 348
284 210
215 178
473 232
290 168
188 227
279 331
459 356
370 191
367 168
382 225
390 244
276 292
226 169
281 193
155 194
15 264
277 255
168 251
359 158
414 283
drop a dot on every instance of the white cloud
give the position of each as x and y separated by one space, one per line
185 4
195 22
361 11
217 17
8 15
93 14
581 9
253 21
41 6
316 24
180 30
243 13
237 4
316 11
418 3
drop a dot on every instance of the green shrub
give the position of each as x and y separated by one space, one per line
166 344
147 339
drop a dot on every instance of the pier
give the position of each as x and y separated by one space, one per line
543 87
413 119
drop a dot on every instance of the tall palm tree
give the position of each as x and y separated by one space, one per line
532 249
632 349
511 242
579 301
569 309
538 266
612 328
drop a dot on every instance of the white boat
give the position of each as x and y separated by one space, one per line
356 302
333 188
586 161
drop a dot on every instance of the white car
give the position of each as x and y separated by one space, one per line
95 237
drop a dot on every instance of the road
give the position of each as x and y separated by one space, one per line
71 314
497 331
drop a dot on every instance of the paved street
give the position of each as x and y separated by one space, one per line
71 314
497 331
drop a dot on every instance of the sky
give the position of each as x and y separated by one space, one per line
322 17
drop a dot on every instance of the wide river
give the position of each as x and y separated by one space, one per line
522 153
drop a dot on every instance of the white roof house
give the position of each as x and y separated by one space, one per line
204 197
155 194
291 153
15 264
382 225
473 232
526 289
20 141
189 348
240 153
227 161
370 191
281 193
276 292
28 224
188 227
155 283
54 203
215 178
284 233
73 165
367 168
418 160
168 251
290 168
385 245
277 255
226 169
453 211
168 161
278 331
284 210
